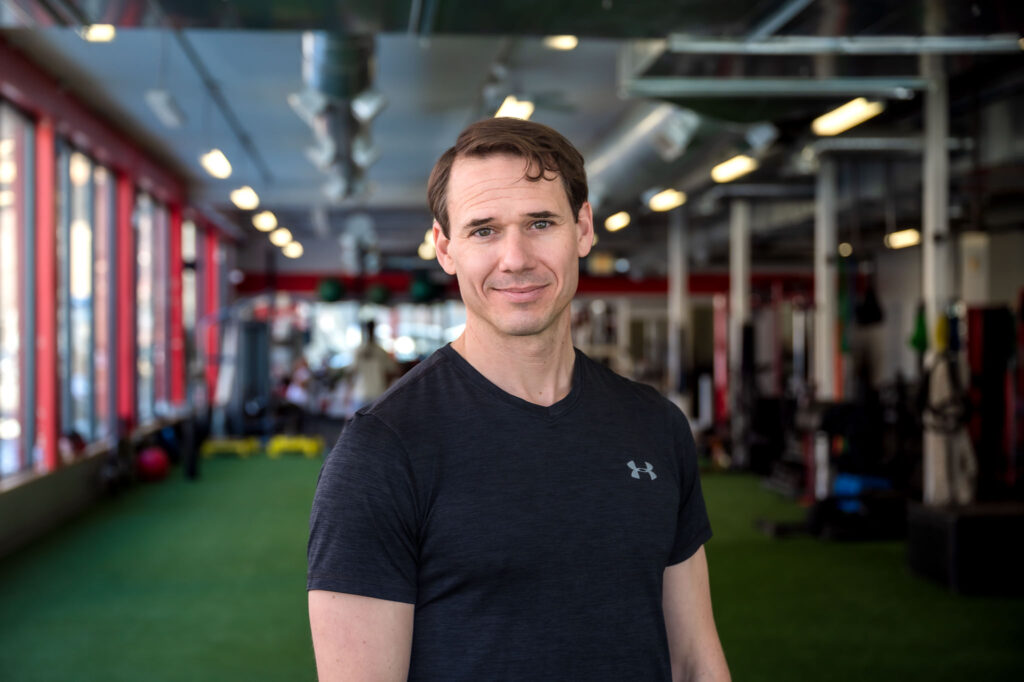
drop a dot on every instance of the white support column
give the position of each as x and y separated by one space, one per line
739 313
936 265
679 331
825 233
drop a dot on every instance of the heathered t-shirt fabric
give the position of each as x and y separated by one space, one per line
532 540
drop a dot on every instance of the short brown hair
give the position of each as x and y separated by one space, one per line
544 148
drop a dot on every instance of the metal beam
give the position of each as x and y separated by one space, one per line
897 87
778 19
861 45
906 145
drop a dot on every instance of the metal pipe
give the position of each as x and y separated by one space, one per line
860 45
895 87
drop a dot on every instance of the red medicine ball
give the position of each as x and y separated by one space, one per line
152 464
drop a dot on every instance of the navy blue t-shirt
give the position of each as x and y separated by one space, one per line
532 540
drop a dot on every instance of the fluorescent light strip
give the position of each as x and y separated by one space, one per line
561 42
736 167
851 114
616 221
666 200
902 239
98 33
515 108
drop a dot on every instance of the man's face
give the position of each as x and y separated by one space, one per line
514 244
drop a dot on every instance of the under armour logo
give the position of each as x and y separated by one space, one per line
648 469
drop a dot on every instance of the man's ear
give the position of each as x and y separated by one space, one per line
441 247
585 230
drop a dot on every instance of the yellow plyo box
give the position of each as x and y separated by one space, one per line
231 447
295 445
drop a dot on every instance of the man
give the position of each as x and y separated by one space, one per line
511 510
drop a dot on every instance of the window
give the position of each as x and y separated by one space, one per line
15 269
144 218
192 310
152 296
75 254
103 303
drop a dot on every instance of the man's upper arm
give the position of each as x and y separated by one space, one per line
693 643
360 638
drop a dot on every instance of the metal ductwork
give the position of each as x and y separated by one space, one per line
339 104
643 152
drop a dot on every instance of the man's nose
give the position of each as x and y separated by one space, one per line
516 252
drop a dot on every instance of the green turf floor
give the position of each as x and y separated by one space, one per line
205 581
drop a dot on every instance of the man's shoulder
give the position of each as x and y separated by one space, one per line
609 383
418 390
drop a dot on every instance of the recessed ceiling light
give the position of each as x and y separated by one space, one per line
245 198
292 250
216 164
264 221
280 236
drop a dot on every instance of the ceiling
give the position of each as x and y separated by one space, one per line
232 65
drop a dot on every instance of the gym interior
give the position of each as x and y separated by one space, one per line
809 235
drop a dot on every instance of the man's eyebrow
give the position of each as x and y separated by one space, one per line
540 215
477 222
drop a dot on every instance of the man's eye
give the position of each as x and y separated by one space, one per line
541 224
483 232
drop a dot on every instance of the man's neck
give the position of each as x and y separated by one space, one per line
537 368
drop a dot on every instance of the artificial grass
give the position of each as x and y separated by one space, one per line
206 581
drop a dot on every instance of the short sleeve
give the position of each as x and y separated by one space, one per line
363 526
693 528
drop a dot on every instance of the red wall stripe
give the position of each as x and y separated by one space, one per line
213 303
177 330
126 303
47 393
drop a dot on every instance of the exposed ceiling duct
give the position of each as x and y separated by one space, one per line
642 152
339 104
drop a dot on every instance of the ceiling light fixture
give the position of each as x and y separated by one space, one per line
292 250
616 221
666 200
426 251
902 239
98 33
264 221
736 167
851 114
245 198
8 172
515 108
216 164
846 249
280 236
165 108
561 42
6 198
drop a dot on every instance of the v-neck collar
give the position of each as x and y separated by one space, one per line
552 411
